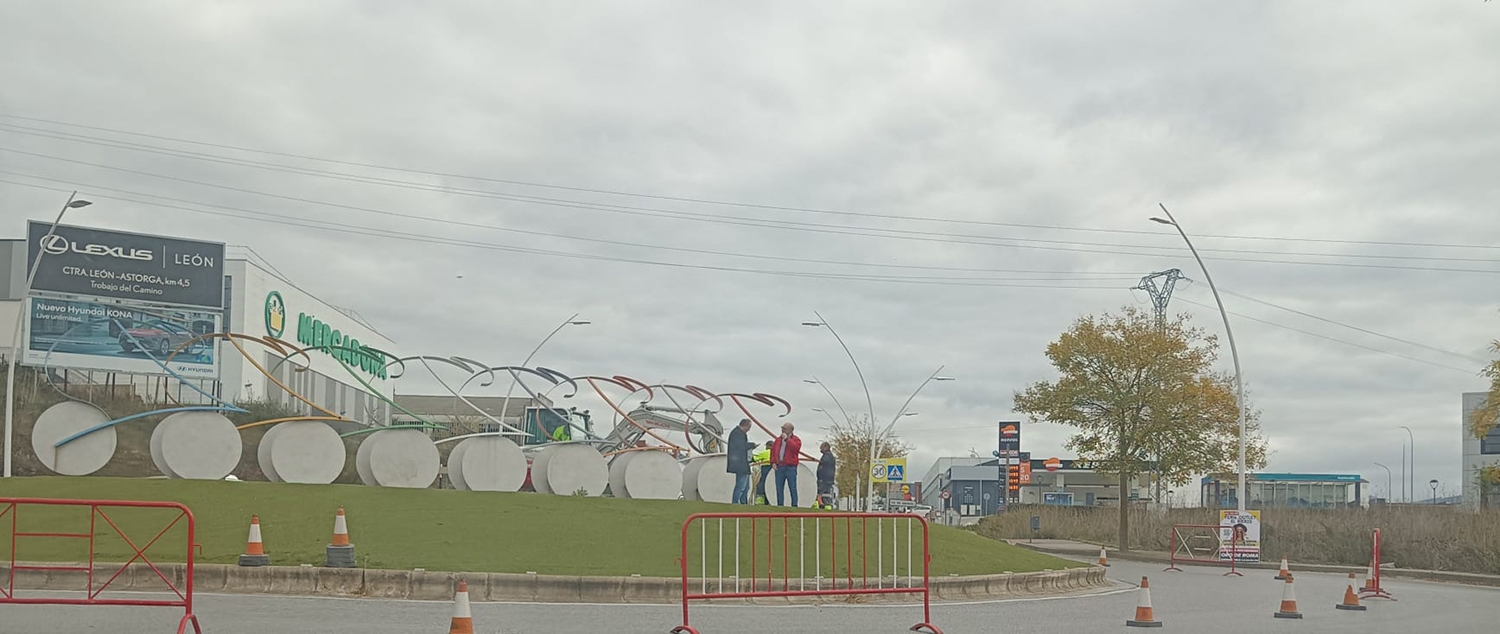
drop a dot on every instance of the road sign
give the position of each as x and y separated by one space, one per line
888 470
947 494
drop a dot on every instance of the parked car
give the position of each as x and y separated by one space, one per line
159 337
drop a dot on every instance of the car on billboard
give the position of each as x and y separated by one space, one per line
158 337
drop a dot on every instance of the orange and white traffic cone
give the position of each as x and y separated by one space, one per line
340 529
1369 580
1143 615
340 553
1288 602
1103 560
1282 574
463 620
1351 600
255 551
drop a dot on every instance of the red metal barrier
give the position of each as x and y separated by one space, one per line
1373 589
813 531
98 511
1194 544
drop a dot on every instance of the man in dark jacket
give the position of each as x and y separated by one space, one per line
827 469
737 461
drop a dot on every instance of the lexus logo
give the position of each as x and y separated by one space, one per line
58 245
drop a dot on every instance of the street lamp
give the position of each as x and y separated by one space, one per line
1412 474
1433 484
1388 491
874 451
1239 384
869 403
825 413
16 346
505 404
836 402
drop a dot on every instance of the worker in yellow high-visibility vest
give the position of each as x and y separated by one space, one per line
762 459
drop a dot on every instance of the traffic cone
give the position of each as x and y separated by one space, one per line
1103 560
255 551
463 620
1282 574
1351 600
1288 602
1143 615
340 553
1369 580
340 529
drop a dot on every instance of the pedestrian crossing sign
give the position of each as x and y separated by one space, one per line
888 470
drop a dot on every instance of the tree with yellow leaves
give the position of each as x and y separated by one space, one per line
1138 393
850 442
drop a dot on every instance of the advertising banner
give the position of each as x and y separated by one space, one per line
119 338
1239 535
127 266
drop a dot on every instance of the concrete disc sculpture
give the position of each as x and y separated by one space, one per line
196 446
263 454
568 468
652 475
362 459
403 458
617 474
538 471
82 456
807 486
455 465
704 479
487 463
303 452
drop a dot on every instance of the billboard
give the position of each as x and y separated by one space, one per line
126 266
118 337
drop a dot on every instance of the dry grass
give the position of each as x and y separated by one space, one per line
1424 537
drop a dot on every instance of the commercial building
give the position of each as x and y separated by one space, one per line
1285 490
965 489
262 303
104 332
1478 453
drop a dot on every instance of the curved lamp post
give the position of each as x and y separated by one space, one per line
825 413
1239 385
1388 491
16 345
505 403
869 403
1411 474
836 402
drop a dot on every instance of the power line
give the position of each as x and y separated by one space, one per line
1074 275
409 237
1357 328
702 201
1336 340
650 210
784 225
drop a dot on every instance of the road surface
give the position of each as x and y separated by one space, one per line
1197 600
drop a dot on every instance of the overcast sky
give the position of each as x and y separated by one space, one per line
1061 124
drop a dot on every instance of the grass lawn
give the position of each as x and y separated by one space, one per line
462 531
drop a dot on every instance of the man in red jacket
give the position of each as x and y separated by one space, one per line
784 454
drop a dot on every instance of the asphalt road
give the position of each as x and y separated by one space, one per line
1197 600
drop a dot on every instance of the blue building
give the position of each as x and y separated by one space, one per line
1285 490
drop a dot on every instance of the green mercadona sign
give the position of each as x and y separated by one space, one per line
312 332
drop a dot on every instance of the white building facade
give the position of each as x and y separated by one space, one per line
1477 452
262 304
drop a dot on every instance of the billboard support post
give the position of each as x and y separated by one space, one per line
10 373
